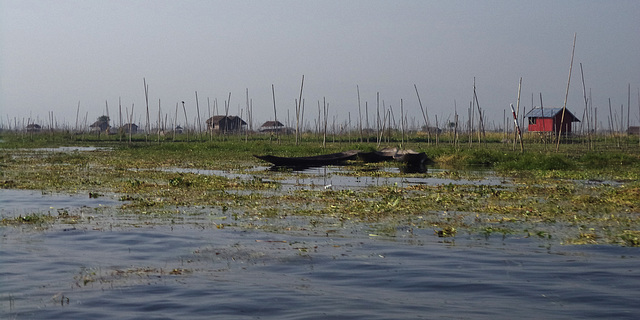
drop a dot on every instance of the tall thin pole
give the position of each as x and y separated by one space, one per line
175 123
326 111
402 122
378 117
159 119
628 106
147 128
120 117
186 120
515 120
275 114
517 104
566 96
198 111
359 113
298 109
425 115
586 107
544 140
77 115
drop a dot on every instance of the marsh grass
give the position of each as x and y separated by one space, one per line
547 198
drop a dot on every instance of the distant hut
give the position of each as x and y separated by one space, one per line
129 128
33 127
550 120
226 124
273 126
99 126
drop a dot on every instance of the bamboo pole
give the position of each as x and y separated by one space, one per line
544 132
175 123
481 131
586 107
628 106
210 130
186 120
378 118
77 115
130 121
366 110
275 113
302 118
359 113
402 123
517 126
566 96
517 106
147 127
227 103
199 120
159 119
246 134
326 111
455 128
425 114
298 109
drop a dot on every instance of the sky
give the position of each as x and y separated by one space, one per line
76 59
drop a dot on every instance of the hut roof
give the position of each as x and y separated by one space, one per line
218 119
551 113
273 124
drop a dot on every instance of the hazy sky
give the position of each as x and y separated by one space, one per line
54 54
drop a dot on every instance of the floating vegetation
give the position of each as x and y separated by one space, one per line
584 197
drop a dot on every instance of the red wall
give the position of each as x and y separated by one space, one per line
549 125
542 123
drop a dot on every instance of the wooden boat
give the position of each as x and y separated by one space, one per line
411 157
311 161
408 157
386 154
414 162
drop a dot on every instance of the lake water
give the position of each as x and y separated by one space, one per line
119 266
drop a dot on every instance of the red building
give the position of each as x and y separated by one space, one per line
550 119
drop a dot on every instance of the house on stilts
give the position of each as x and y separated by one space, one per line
226 124
550 120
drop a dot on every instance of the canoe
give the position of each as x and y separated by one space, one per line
408 157
411 157
414 162
386 154
311 161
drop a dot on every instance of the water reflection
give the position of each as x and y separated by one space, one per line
24 202
344 177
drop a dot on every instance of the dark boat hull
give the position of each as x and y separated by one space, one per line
312 161
378 156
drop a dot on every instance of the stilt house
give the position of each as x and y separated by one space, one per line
226 124
550 120
272 126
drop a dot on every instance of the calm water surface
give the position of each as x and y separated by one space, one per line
122 268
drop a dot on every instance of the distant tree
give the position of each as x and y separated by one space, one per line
103 119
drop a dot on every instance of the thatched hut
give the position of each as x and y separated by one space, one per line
275 126
33 127
129 128
99 126
226 124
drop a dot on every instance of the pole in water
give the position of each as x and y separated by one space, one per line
515 120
